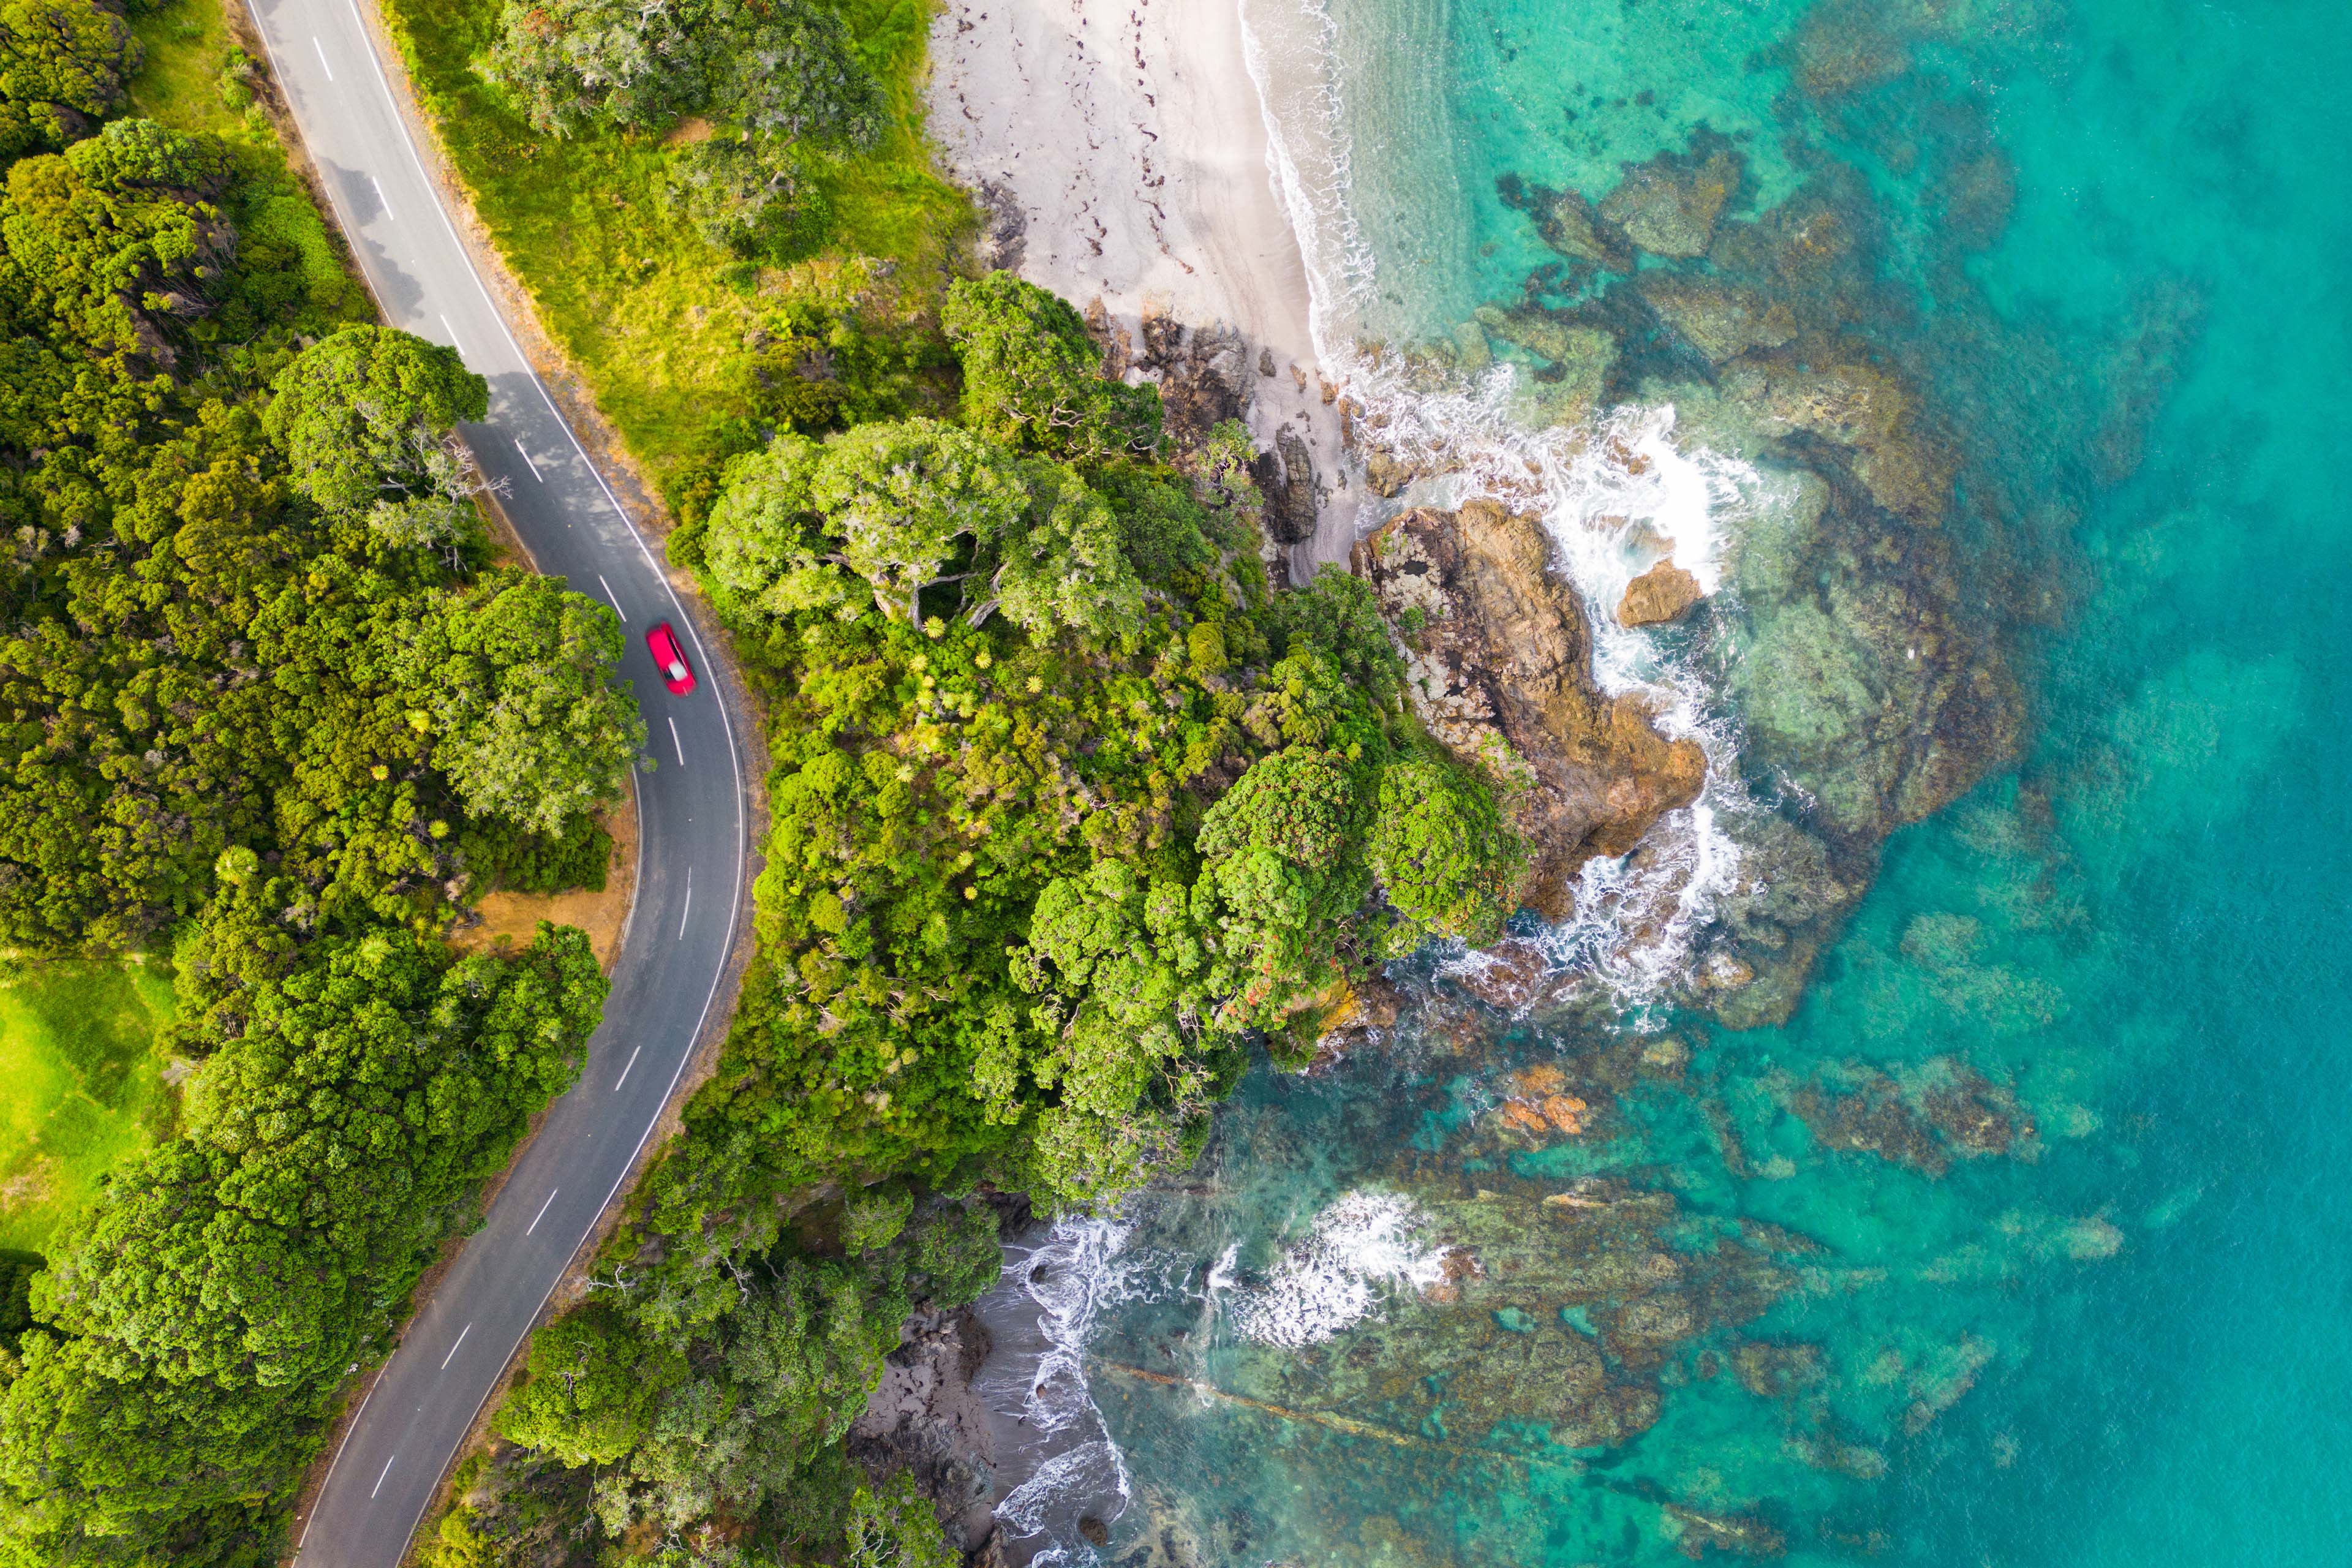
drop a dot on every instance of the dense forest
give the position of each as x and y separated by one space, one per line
1074 807
269 710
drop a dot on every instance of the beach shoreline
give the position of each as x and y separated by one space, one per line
1122 149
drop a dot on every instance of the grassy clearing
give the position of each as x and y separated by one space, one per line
188 47
665 327
85 1086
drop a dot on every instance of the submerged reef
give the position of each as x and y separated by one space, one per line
1493 1287
1857 620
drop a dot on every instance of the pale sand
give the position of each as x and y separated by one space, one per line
1130 138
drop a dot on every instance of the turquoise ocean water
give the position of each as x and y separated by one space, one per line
2112 240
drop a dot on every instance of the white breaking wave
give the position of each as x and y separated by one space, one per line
1290 48
1072 1276
1090 1469
1360 1244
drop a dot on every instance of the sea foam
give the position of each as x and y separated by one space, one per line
1362 1245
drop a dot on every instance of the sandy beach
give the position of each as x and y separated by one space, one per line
1127 139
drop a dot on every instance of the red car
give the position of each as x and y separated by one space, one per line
676 674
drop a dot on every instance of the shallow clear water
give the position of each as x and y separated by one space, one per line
2112 1331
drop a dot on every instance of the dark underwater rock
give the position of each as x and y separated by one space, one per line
1720 322
1668 205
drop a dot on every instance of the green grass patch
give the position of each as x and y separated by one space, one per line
180 82
666 327
85 1085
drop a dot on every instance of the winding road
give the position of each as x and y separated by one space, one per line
691 840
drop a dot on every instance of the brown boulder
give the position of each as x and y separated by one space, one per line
1499 669
1663 594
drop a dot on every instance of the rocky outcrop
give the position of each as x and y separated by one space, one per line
1660 596
1284 475
1870 687
1203 372
1499 669
1204 376
926 1418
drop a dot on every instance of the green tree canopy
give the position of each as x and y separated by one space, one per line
364 416
1281 870
193 1328
516 676
743 194
904 495
787 68
765 550
1062 563
781 1377
893 1525
1033 378
116 244
367 1089
64 65
1443 854
590 1390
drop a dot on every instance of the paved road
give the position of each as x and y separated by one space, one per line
691 844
